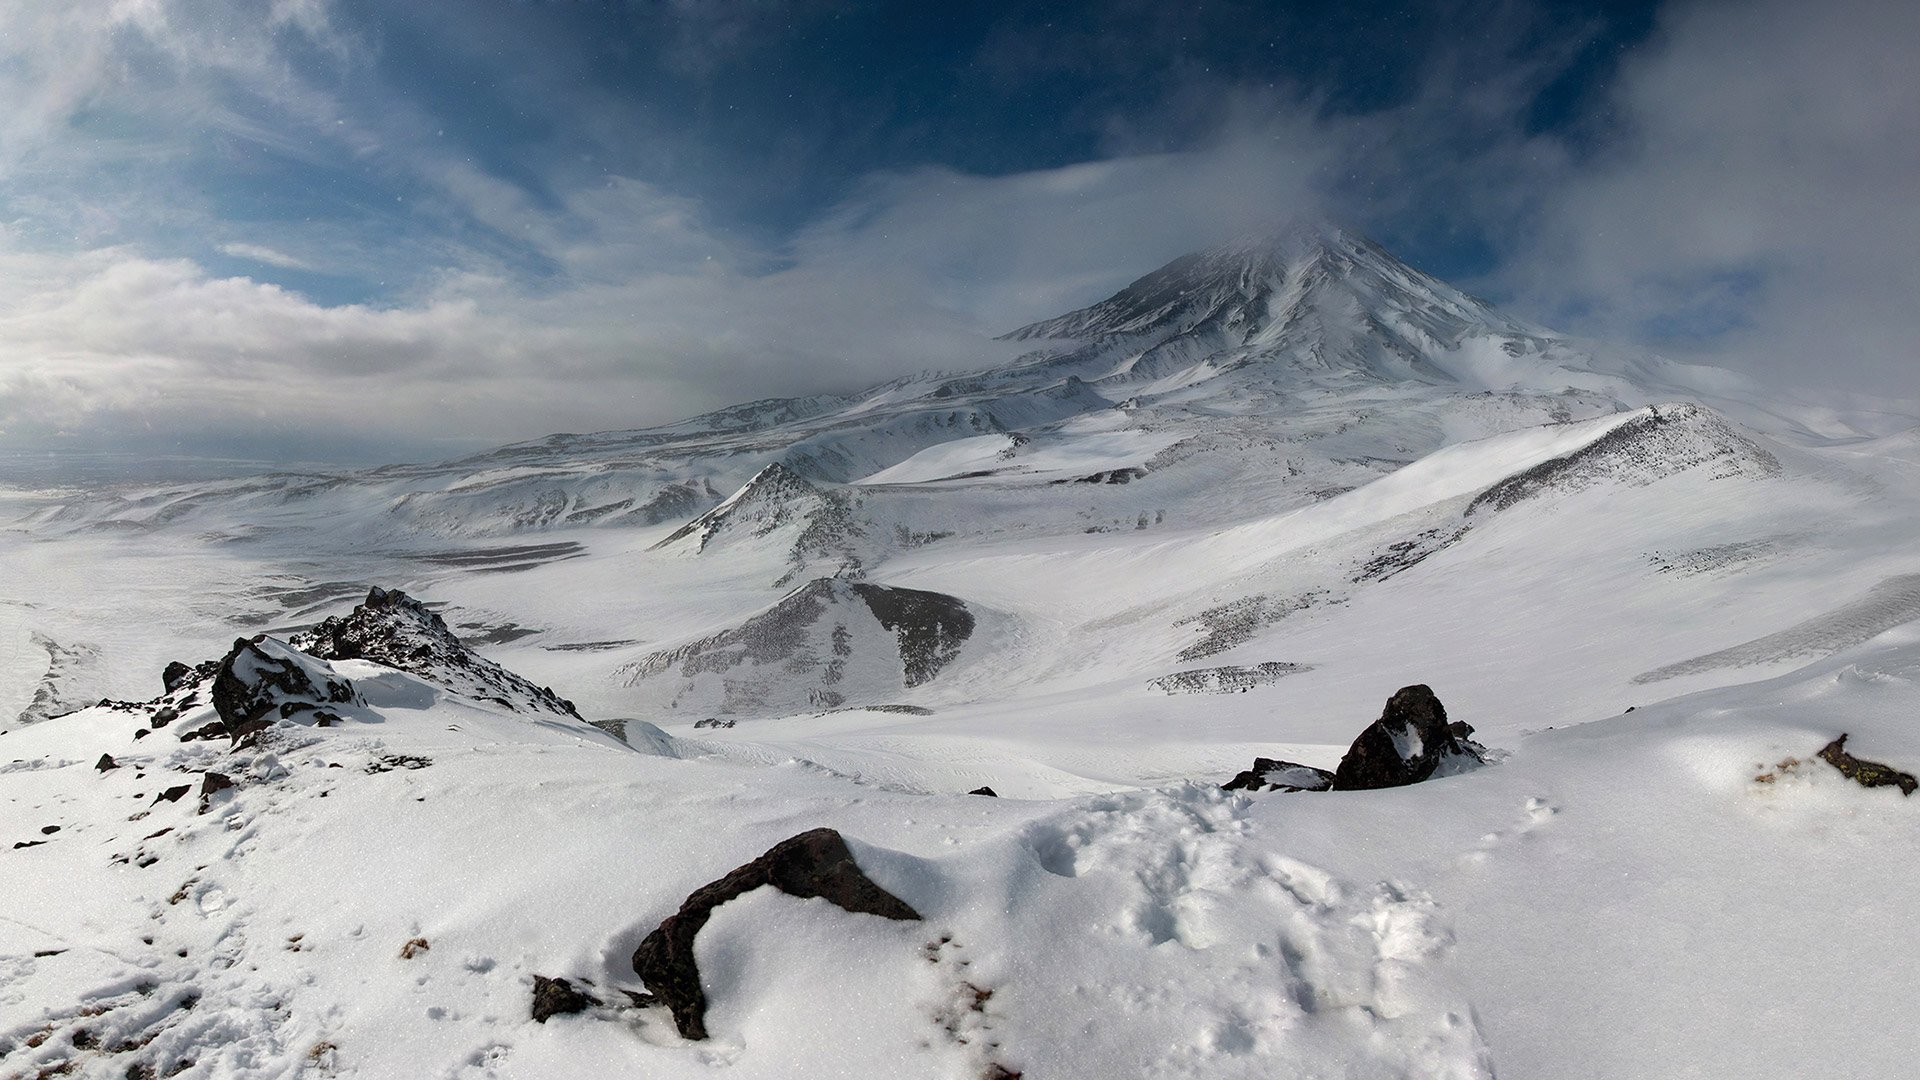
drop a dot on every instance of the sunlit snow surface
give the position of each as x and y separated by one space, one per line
1176 557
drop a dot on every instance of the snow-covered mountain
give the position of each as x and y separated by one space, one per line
1217 518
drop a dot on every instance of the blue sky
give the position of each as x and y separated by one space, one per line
353 229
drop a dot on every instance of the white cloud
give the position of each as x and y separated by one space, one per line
653 317
262 254
1764 178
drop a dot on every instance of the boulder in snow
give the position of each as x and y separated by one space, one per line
264 679
1269 774
557 997
814 863
1411 742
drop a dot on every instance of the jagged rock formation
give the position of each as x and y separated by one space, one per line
814 863
265 679
394 629
1411 742
558 997
827 644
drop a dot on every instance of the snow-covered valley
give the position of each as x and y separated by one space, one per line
1224 515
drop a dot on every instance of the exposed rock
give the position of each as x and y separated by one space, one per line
1225 680
814 863
414 947
930 626
816 525
1659 441
987 791
106 762
827 644
175 675
399 631
212 784
557 997
173 794
1269 774
1866 773
263 679
1411 742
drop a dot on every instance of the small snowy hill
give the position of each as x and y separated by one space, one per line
827 644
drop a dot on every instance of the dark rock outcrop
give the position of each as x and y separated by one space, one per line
814 863
1269 774
987 791
1866 773
1409 743
175 675
265 679
557 997
396 630
212 784
106 762
929 626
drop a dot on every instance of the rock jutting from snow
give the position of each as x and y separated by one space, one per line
814 863
1269 774
1411 742
399 631
557 997
1866 773
987 791
263 679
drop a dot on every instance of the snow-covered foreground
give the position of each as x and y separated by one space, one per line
1252 503
1648 895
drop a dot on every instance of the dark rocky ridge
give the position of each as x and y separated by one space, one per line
263 679
1664 441
394 629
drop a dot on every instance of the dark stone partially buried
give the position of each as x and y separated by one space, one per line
1271 774
557 997
814 863
1405 746
1866 773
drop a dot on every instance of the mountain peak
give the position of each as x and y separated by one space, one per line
1239 290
